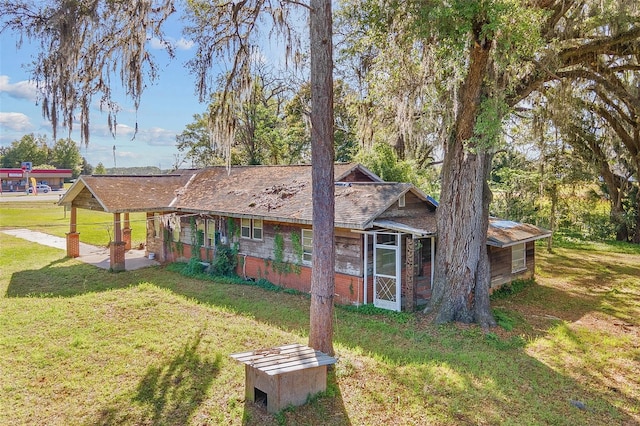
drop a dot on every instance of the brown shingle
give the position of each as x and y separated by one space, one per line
282 193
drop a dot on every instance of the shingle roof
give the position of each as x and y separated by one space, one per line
284 193
279 193
117 194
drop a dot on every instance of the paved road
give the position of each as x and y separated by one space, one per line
8 197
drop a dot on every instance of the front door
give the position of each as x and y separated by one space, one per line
386 271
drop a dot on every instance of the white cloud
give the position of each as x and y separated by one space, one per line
181 44
184 44
156 136
15 121
21 90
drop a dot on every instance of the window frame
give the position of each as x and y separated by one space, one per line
210 237
254 227
243 227
307 248
249 229
518 262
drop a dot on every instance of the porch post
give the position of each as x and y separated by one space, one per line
366 270
73 237
116 258
409 288
126 233
433 260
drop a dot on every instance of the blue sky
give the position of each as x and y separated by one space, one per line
166 108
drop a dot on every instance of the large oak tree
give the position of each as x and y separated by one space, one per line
485 57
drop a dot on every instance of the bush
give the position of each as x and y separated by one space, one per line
225 261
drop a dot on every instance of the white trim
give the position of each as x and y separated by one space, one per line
310 253
381 303
366 270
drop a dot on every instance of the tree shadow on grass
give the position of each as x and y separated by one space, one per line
169 393
446 358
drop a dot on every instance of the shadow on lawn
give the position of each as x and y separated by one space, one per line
440 364
169 393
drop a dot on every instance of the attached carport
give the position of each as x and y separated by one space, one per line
120 196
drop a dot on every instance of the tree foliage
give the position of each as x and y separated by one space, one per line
29 148
85 47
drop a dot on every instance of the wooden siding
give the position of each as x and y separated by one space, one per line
500 259
413 207
85 200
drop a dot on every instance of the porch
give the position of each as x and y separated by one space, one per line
398 262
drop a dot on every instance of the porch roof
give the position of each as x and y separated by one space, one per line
122 194
422 226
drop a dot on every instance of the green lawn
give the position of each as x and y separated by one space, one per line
94 227
79 345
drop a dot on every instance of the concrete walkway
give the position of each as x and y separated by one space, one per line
93 255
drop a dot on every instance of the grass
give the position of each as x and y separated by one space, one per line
80 345
94 227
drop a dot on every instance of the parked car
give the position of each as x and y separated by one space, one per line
41 187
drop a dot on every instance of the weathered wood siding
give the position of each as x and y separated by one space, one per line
85 200
348 246
413 206
500 259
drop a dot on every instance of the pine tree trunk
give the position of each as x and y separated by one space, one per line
322 154
463 275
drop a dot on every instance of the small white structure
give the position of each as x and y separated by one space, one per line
285 375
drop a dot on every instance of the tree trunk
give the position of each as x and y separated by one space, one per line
322 154
463 275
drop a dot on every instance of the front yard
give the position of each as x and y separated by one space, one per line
80 345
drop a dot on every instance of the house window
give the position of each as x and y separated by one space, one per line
307 245
257 229
245 228
211 233
518 257
401 201
251 228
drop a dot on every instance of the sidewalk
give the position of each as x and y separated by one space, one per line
93 255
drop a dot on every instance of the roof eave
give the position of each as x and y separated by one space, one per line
507 244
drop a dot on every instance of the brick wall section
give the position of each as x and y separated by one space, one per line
117 256
126 237
73 244
346 285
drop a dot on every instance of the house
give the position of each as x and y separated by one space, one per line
385 232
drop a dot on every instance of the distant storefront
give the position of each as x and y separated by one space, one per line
17 179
